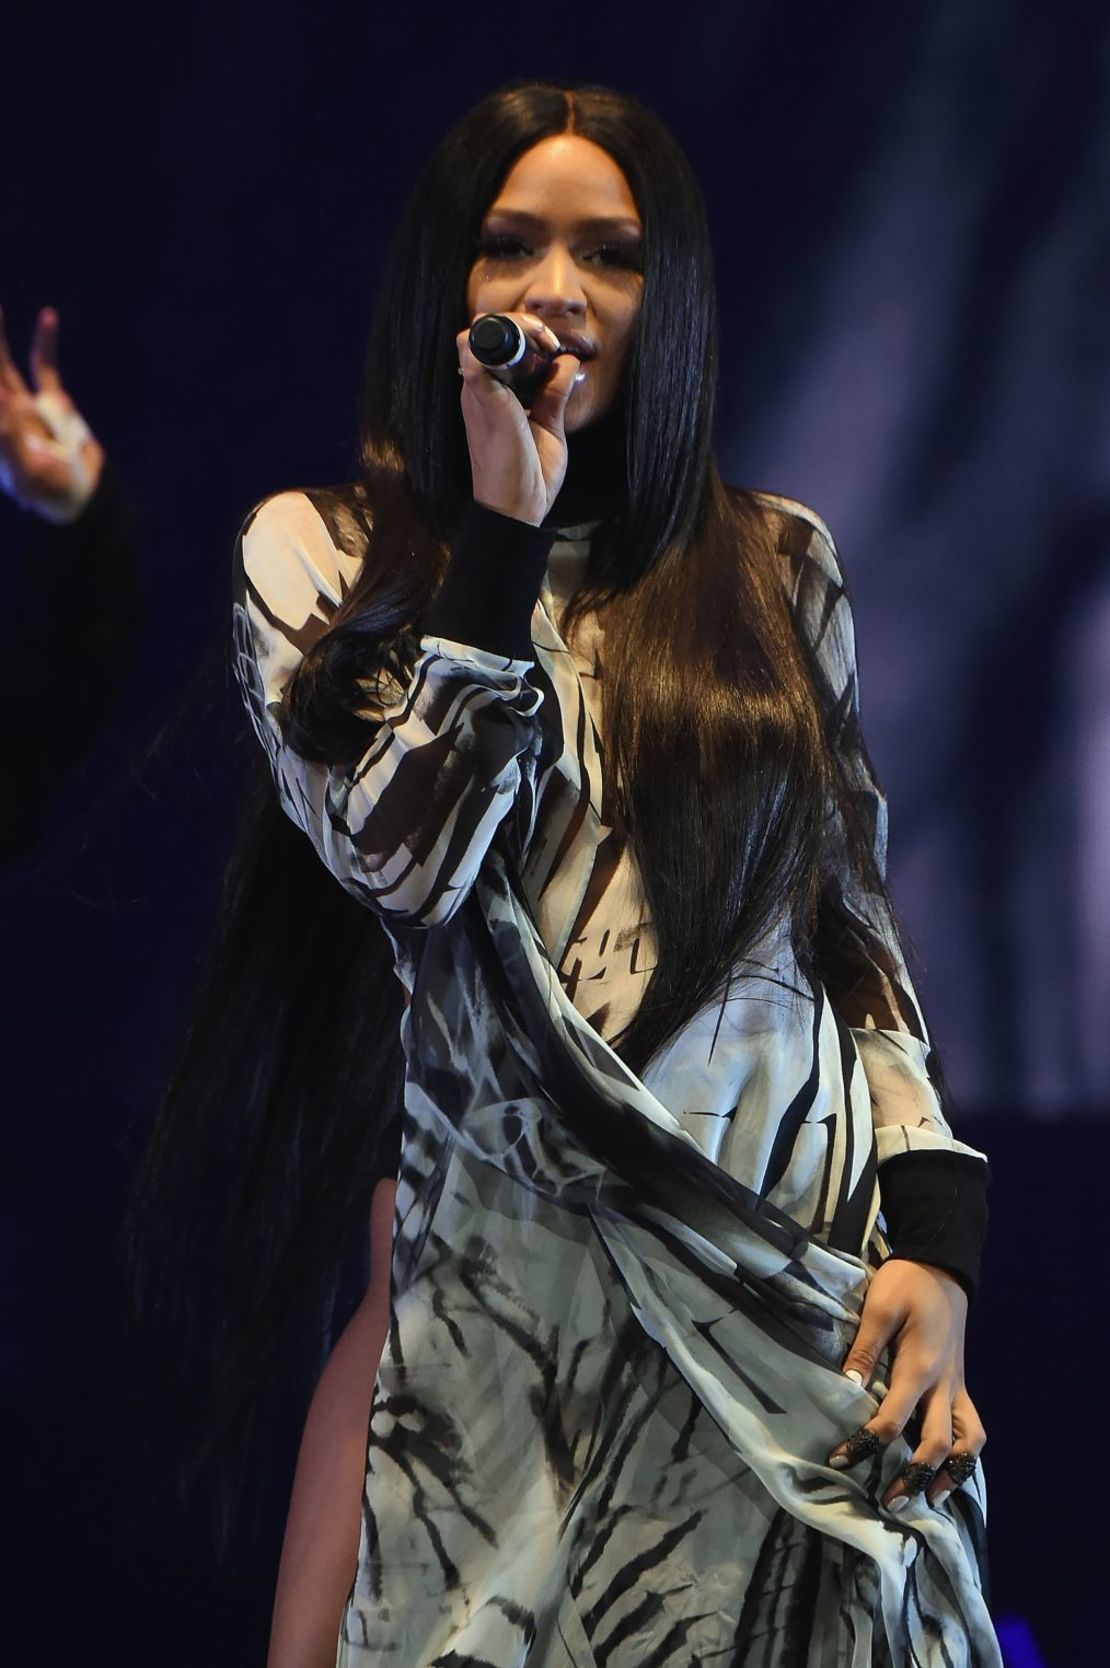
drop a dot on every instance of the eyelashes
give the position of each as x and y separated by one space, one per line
629 257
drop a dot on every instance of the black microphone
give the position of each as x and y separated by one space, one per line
499 343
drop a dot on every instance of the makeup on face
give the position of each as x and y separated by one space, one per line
563 241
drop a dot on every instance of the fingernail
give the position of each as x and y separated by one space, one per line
838 1461
939 1499
857 1378
899 1503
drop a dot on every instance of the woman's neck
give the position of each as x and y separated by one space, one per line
596 483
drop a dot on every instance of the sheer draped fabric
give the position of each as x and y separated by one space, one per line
618 1305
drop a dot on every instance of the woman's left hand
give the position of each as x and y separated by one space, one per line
924 1311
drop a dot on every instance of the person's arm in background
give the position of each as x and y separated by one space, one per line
72 616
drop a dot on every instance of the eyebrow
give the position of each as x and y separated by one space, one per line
602 223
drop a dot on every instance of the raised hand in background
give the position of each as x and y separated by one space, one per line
50 461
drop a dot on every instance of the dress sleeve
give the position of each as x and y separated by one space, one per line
406 826
932 1185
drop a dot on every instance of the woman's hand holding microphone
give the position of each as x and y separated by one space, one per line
518 457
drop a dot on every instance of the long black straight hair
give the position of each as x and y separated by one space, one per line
248 1227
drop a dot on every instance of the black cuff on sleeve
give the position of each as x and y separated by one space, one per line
491 585
935 1208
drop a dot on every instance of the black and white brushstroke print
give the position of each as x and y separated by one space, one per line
618 1305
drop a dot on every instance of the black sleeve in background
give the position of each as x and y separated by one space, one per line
492 583
935 1208
69 638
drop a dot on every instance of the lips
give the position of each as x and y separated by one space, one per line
571 342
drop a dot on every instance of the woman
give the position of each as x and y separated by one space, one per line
681 1242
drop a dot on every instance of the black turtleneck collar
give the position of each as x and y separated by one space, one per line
596 483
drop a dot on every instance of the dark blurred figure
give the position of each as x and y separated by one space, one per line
73 613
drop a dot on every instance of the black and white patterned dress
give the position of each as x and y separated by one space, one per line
618 1305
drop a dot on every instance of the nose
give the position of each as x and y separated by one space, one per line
554 287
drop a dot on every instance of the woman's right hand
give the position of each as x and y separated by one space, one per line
518 457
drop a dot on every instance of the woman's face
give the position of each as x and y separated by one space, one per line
562 239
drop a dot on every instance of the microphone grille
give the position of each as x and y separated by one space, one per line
495 339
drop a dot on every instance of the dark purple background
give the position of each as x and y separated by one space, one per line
909 211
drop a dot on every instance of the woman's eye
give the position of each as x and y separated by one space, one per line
621 254
626 255
500 246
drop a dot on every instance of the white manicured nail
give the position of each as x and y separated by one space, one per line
939 1499
899 1503
856 1378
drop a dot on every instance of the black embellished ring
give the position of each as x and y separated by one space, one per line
860 1446
918 1476
960 1467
